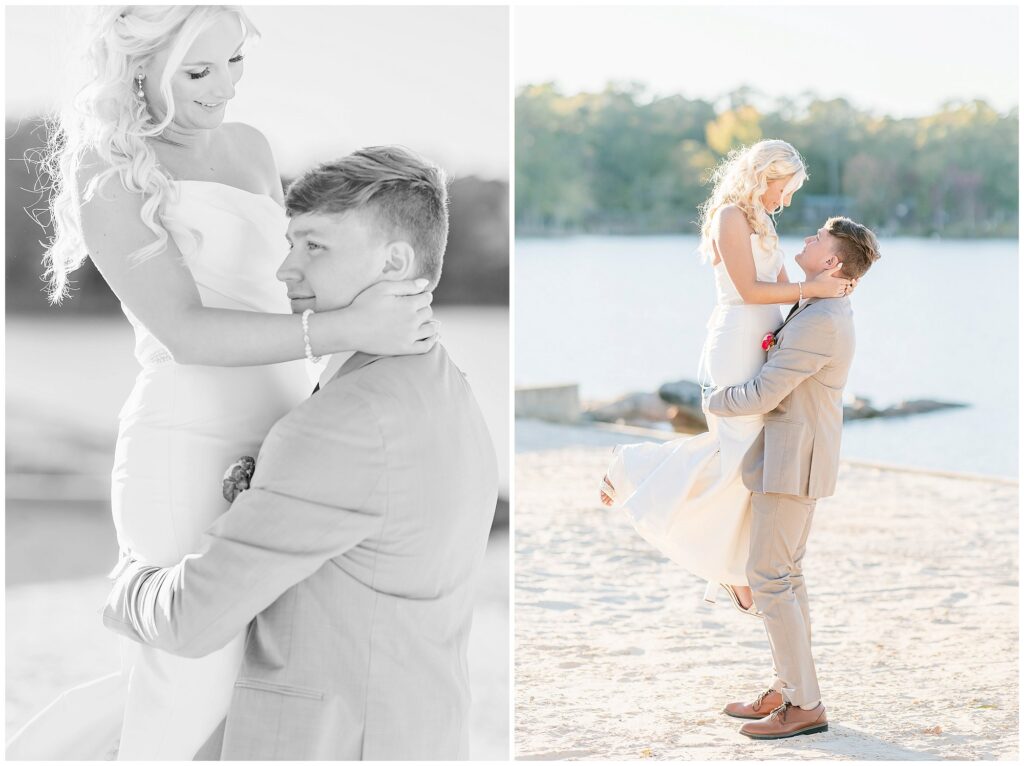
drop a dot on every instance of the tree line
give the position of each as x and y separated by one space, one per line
476 264
620 162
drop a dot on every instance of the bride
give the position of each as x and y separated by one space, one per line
182 214
686 497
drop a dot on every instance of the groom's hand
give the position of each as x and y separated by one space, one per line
705 397
121 613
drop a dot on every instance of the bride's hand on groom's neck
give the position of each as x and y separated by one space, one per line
829 284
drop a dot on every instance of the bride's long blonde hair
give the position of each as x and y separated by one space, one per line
741 179
107 120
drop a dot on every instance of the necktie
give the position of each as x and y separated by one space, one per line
316 389
795 307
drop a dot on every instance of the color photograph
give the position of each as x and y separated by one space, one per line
766 392
257 398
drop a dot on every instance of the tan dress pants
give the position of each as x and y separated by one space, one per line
778 539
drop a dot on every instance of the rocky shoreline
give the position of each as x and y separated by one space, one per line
677 405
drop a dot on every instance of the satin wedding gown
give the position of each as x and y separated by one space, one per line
686 496
180 428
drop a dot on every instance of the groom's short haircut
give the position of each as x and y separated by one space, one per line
856 245
408 193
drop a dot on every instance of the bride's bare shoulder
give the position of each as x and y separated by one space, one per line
245 136
108 192
248 143
732 220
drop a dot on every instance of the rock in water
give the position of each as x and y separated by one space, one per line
686 412
686 420
918 406
682 393
862 409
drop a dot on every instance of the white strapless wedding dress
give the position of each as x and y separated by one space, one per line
180 428
686 496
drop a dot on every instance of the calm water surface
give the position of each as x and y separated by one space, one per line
935 319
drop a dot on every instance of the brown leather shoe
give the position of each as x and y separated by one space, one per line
761 707
787 721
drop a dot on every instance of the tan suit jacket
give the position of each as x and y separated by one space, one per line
352 556
800 392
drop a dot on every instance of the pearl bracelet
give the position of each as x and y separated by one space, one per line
305 336
799 286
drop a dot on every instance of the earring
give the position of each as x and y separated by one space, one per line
138 82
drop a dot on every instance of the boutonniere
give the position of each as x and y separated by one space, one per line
769 341
237 478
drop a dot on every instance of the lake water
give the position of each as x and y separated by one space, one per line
935 320
80 370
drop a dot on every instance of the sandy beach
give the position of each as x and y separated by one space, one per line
914 598
55 638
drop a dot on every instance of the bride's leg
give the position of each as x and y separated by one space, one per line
162 506
175 703
83 723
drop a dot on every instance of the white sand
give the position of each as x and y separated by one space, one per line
56 640
913 587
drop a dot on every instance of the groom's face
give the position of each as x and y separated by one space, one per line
333 258
818 254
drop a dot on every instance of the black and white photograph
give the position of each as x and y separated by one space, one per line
257 382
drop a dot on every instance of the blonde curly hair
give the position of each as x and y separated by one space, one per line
108 121
741 179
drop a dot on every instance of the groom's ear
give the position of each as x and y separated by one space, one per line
399 260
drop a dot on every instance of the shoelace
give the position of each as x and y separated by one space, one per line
779 712
761 698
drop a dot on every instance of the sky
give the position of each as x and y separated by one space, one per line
325 80
901 61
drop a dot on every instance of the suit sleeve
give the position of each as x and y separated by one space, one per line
806 347
307 505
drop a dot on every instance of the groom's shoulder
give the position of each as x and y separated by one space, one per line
821 319
830 310
829 316
412 376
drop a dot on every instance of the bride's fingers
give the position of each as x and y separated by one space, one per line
430 329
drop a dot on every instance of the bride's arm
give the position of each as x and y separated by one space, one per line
162 293
733 247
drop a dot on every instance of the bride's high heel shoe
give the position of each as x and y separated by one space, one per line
712 591
609 491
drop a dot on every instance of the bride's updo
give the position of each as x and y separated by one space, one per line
108 122
742 178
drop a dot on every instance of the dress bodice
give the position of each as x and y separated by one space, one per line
232 241
766 262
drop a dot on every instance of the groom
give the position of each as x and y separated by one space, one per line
793 462
350 561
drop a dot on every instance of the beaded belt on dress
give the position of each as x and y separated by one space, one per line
157 358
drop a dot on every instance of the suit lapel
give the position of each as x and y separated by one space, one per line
793 312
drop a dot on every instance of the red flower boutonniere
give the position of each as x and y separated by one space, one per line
237 478
769 341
